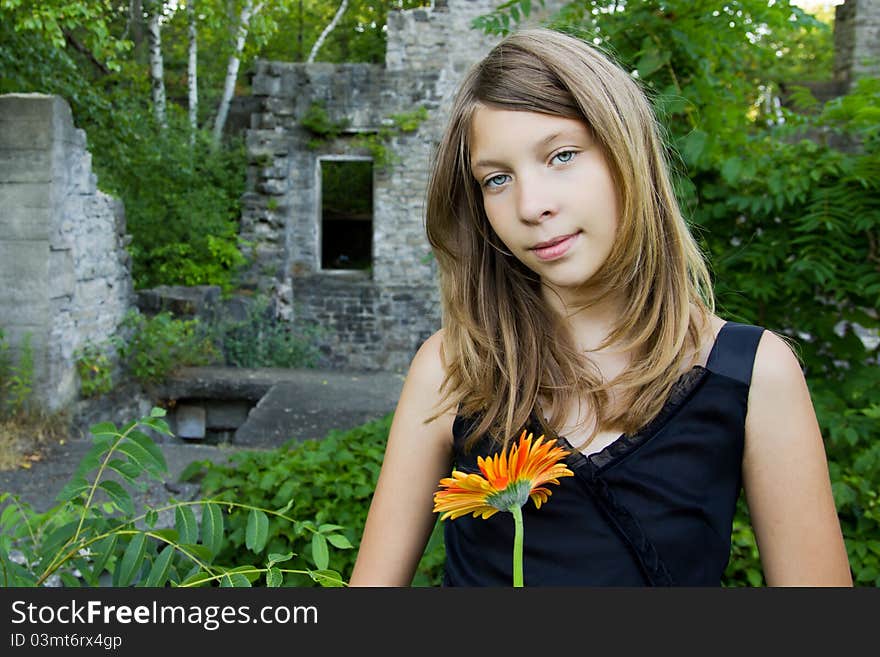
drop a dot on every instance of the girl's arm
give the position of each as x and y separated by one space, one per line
417 456
785 475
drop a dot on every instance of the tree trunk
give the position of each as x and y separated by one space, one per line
247 12
136 25
157 75
327 30
192 72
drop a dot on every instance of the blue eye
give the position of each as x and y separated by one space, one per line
564 157
496 181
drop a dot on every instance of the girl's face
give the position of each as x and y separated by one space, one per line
547 191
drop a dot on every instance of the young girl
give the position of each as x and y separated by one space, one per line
577 305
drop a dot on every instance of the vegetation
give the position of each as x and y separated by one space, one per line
330 480
24 428
260 339
95 531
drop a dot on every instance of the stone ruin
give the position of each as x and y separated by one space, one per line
366 277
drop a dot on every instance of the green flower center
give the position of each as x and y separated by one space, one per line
514 495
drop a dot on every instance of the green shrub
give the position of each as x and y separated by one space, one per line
16 378
94 529
158 345
329 480
261 339
95 370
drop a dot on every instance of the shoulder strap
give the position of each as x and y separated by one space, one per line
733 354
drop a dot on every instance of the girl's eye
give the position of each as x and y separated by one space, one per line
496 181
563 157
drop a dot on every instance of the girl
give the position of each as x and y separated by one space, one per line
577 304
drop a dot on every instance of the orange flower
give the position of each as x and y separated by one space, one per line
508 481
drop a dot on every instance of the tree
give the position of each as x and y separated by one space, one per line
248 10
332 24
157 73
192 69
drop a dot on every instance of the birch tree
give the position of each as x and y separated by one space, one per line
327 30
157 75
248 11
192 70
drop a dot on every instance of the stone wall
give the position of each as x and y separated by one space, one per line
64 272
856 40
373 319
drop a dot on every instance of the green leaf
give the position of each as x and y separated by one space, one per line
236 580
186 525
212 528
651 60
200 552
284 509
275 557
132 560
124 469
119 496
149 445
694 143
193 469
74 488
60 536
101 552
320 554
327 578
157 411
138 456
730 170
257 530
167 534
274 578
69 580
103 429
161 566
339 541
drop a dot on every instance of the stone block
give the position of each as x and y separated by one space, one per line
24 280
62 278
229 414
27 166
27 107
25 213
190 421
24 134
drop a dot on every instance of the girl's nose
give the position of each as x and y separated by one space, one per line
536 201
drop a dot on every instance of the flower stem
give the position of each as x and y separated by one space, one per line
517 546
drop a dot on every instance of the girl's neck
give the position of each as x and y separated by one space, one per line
588 321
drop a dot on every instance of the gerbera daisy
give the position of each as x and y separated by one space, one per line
507 483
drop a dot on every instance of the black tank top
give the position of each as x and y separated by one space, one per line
652 508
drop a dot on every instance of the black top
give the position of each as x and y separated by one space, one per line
652 508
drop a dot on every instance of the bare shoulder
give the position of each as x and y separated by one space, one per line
429 359
778 394
422 393
775 364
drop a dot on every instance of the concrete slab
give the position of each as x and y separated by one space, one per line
311 407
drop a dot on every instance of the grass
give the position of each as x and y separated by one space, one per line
25 436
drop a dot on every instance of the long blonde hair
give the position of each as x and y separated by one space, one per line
505 351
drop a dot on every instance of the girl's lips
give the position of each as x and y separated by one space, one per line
555 248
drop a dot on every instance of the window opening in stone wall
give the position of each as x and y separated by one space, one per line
346 214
